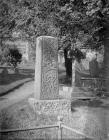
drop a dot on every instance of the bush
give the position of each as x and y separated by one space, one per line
14 57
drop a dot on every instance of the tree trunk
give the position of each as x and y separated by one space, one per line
106 59
68 64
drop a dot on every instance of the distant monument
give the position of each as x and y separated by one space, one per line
94 68
76 73
46 69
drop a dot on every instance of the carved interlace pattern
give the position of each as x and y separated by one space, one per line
49 69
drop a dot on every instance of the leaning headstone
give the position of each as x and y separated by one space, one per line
46 69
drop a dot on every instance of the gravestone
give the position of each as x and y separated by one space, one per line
46 97
73 73
46 69
94 68
76 71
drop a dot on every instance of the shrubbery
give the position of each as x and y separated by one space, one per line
11 56
14 57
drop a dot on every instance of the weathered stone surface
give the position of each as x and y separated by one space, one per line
46 71
76 73
76 80
59 107
94 68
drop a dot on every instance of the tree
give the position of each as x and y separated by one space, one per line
82 18
7 22
23 16
72 21
58 13
99 10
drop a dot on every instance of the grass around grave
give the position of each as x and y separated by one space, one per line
22 116
11 78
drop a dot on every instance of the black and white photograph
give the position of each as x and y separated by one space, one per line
54 69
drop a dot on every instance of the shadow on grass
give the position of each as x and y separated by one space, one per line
8 78
86 102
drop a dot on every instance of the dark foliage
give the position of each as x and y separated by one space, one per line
14 57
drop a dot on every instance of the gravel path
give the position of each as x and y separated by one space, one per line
17 95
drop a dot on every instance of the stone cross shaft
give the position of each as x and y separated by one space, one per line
46 69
